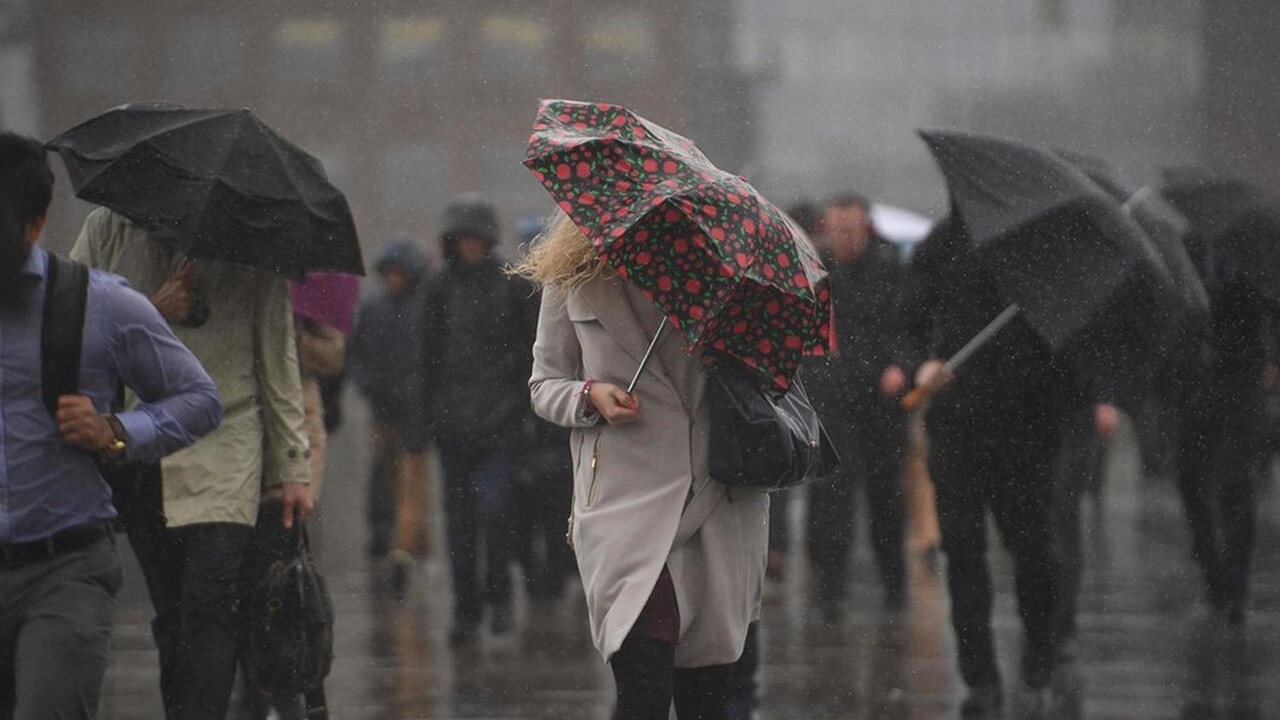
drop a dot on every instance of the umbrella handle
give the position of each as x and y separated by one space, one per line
915 398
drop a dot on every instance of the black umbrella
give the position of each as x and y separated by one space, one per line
220 183
1164 226
1080 271
1236 220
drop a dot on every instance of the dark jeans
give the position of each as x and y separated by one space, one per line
193 575
55 632
1215 461
542 507
871 439
1007 469
479 511
1079 467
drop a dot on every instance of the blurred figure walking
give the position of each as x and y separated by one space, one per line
479 328
855 390
994 435
385 362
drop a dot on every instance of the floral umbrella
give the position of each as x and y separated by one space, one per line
728 269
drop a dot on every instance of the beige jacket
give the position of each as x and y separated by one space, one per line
248 348
642 494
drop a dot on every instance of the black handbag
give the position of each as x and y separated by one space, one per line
289 645
762 437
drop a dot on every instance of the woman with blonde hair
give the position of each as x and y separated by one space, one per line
672 561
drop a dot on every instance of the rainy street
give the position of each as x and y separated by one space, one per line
1148 648
617 360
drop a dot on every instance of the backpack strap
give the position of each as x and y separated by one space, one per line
62 330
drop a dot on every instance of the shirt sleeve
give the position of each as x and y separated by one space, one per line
179 401
287 450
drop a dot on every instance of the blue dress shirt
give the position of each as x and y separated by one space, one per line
47 485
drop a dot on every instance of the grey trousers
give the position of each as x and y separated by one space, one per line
55 632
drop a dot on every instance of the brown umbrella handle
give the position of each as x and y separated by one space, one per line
915 398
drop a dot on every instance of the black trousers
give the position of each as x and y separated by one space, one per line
479 511
1078 467
193 575
648 681
1007 469
871 437
1217 447
542 506
55 632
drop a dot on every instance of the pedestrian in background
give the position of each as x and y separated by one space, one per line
478 328
239 323
855 390
385 362
544 486
59 567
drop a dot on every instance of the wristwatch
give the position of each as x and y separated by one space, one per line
119 438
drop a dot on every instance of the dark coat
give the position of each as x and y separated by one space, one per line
478 324
384 359
866 296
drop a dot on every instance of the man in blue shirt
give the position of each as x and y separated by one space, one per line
59 568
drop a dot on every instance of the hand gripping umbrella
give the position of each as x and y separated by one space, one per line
725 266
1074 266
1236 220
219 183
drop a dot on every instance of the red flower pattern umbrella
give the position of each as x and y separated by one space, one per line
729 269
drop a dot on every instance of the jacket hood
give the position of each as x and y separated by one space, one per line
402 251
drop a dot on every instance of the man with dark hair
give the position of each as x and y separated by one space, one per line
479 325
855 389
59 568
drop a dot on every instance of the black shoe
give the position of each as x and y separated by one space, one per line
401 565
500 622
983 702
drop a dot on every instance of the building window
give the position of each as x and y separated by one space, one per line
100 58
308 52
411 50
205 54
620 45
514 49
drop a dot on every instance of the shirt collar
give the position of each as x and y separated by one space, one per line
37 264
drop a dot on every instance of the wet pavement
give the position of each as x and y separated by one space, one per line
1147 649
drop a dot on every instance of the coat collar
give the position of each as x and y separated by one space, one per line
607 298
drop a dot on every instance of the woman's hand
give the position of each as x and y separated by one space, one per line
614 404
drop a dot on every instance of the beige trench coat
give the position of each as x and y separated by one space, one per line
647 499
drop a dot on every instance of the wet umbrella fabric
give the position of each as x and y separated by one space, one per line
1238 221
219 183
1164 226
1082 272
722 263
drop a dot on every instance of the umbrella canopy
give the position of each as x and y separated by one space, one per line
1057 244
729 269
219 183
1084 274
1163 225
1237 220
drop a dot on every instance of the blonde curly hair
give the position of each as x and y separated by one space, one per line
561 257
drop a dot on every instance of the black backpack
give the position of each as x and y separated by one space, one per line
62 330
